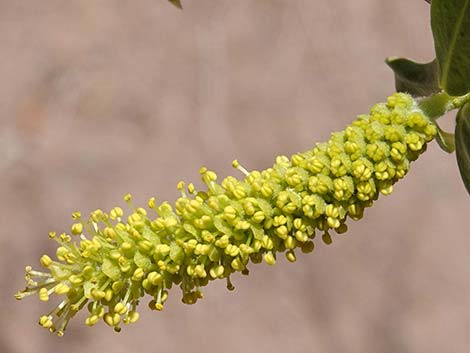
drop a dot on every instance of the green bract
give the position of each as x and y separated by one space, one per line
210 234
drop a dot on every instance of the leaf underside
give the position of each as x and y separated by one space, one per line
417 79
462 144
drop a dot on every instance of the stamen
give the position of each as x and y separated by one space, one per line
240 168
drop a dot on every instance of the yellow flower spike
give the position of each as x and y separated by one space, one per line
216 232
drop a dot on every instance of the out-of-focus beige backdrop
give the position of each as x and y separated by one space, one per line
101 98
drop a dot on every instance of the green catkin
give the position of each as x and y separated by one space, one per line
214 233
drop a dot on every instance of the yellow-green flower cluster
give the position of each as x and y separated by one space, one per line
115 260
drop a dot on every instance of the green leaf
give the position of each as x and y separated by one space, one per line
417 79
450 22
177 3
445 140
462 144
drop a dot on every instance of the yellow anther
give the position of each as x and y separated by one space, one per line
162 249
133 317
97 215
120 308
75 280
191 188
45 321
116 213
290 256
126 246
108 294
211 176
282 232
77 229
258 217
43 295
290 242
117 286
333 222
269 258
112 319
217 271
155 278
92 320
200 271
46 261
61 288
109 233
76 215
138 274
230 213
237 264
97 294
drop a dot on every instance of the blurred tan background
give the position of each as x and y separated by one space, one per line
101 98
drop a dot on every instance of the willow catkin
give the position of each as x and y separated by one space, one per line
213 233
